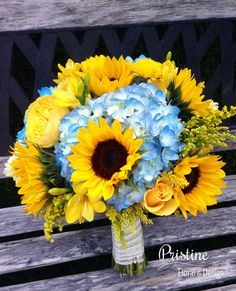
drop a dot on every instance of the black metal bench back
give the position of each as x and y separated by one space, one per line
28 60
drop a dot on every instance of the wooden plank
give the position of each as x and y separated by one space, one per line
27 15
224 288
229 194
231 144
218 268
14 221
35 252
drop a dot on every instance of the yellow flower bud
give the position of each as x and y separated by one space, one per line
57 191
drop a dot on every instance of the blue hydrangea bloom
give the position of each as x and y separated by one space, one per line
143 108
21 134
127 197
45 91
137 59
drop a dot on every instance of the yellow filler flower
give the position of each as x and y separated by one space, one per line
82 207
103 157
106 74
26 171
205 180
71 69
160 74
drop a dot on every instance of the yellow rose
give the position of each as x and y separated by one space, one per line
42 121
159 201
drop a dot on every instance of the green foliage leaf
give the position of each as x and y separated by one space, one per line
86 85
80 88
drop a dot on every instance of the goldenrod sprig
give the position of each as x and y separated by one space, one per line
206 132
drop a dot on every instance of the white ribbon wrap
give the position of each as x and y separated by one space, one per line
134 251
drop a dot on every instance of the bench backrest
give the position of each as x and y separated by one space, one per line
39 35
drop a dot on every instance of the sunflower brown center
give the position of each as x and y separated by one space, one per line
192 178
109 156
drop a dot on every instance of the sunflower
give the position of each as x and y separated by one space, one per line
26 171
71 69
205 180
106 74
103 157
191 92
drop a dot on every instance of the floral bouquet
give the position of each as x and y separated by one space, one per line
124 137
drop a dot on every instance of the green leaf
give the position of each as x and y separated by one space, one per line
80 88
45 159
168 56
81 100
132 185
47 151
142 152
44 179
86 85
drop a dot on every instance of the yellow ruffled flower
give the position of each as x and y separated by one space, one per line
26 170
106 74
42 121
191 92
82 207
159 200
67 92
160 74
71 69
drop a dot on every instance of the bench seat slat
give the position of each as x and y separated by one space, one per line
32 252
220 262
14 221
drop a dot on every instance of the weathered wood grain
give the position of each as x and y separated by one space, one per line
18 15
229 194
28 253
14 221
231 144
224 288
220 267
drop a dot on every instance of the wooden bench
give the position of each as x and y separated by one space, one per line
80 258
